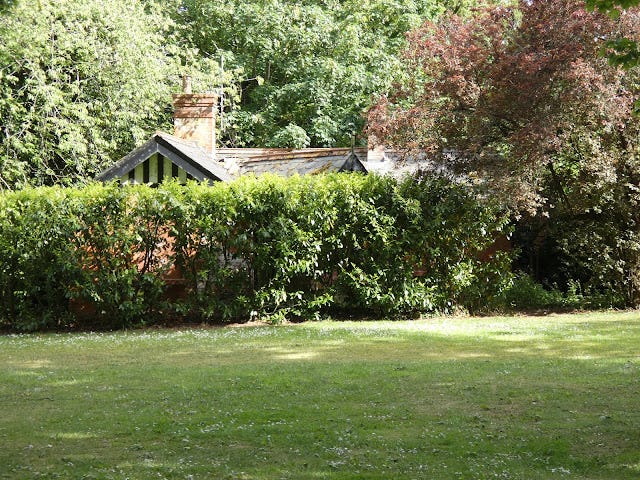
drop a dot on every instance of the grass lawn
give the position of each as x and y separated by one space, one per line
551 397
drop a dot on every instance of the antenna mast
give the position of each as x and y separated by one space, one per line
221 94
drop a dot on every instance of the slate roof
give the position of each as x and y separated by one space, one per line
287 162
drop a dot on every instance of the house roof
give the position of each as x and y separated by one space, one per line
233 162
186 155
287 162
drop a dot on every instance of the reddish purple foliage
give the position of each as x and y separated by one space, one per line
508 87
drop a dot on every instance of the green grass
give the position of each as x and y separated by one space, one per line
447 398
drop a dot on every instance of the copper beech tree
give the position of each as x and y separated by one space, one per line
524 101
513 94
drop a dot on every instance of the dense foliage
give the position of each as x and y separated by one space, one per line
80 84
307 70
510 91
522 99
267 248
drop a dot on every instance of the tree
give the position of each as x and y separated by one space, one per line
306 67
80 84
521 100
502 94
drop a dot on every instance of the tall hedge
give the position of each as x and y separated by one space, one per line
272 248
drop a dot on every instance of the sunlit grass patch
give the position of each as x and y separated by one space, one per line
496 397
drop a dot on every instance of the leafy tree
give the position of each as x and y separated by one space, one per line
308 67
521 99
80 84
502 95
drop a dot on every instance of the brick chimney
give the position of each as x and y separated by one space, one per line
194 116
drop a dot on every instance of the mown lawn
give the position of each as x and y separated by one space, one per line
446 398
